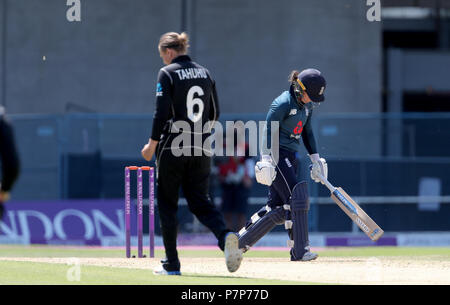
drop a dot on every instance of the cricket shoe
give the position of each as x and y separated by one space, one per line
233 255
308 256
167 268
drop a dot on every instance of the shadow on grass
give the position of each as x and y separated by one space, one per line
251 280
215 276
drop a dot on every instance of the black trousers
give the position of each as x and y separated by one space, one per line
192 175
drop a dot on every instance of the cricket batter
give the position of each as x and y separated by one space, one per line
186 93
9 160
288 201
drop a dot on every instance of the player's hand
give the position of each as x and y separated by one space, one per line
319 166
146 152
265 171
149 150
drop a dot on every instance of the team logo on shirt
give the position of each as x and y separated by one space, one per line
293 112
299 128
159 90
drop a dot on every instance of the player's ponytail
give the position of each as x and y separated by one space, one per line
173 40
296 86
183 38
293 76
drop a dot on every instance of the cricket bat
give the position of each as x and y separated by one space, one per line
353 210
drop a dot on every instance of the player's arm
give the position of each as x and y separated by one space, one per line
214 114
265 169
318 164
308 137
162 114
276 113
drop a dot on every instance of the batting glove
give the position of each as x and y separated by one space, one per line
265 171
319 166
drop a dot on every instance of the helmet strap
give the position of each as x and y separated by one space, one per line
299 89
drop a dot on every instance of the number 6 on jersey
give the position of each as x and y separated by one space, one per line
191 101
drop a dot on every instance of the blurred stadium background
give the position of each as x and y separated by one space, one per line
81 96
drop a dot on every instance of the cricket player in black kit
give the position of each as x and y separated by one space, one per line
9 160
186 97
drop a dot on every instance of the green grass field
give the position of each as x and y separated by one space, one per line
27 272
24 273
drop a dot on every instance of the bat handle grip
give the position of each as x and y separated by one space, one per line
326 182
